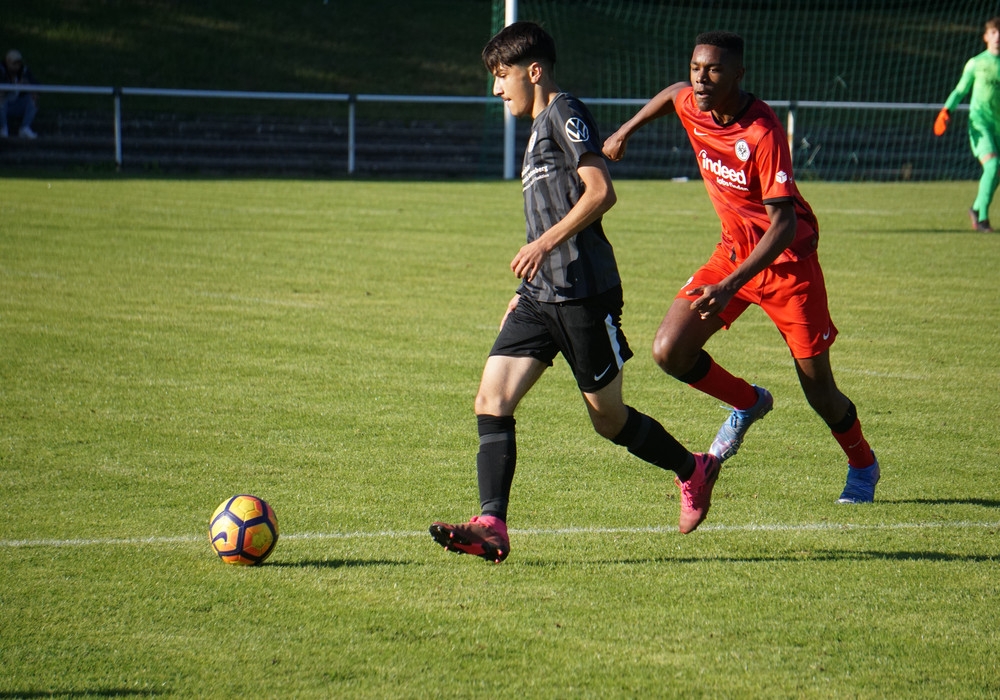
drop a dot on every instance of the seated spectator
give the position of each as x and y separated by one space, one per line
22 105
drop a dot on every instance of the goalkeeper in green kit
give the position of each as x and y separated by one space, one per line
981 75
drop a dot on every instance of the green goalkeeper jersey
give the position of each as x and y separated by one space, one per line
982 75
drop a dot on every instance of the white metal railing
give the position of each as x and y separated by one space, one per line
353 99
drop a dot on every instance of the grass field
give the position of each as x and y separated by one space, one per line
166 344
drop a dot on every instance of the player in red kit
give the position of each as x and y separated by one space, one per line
767 256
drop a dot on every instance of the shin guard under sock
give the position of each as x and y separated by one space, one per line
495 463
710 378
649 441
847 433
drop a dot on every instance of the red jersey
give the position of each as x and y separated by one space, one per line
745 165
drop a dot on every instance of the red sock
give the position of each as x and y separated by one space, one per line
859 452
725 387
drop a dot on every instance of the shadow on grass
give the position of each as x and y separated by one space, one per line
103 693
986 503
845 555
335 563
820 555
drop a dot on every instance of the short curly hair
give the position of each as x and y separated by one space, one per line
727 41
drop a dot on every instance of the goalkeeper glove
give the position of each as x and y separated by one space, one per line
941 123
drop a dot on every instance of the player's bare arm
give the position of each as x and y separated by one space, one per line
598 197
661 105
712 299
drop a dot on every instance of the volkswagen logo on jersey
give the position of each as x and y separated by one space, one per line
577 130
742 150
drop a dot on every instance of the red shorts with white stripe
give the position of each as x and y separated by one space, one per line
792 294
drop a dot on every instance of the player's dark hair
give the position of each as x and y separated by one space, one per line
727 41
993 23
518 43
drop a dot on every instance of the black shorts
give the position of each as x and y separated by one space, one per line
587 332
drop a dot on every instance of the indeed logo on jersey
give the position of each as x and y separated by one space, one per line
724 175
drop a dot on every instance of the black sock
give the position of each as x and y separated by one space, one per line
648 440
495 463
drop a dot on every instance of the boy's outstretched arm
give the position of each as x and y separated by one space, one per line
661 105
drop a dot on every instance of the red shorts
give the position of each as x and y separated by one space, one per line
792 294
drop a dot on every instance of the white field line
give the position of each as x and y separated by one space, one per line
395 534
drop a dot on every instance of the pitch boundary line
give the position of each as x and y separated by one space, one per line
663 529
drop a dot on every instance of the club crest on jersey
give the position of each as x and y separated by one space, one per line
576 130
531 141
742 150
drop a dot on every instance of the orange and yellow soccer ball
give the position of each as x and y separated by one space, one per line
243 530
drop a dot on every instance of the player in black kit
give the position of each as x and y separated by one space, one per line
569 300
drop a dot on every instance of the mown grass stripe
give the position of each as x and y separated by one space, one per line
749 527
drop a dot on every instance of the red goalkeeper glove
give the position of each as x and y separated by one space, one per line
941 123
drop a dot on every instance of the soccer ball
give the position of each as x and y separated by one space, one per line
243 530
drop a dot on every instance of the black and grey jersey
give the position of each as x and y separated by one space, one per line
584 266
